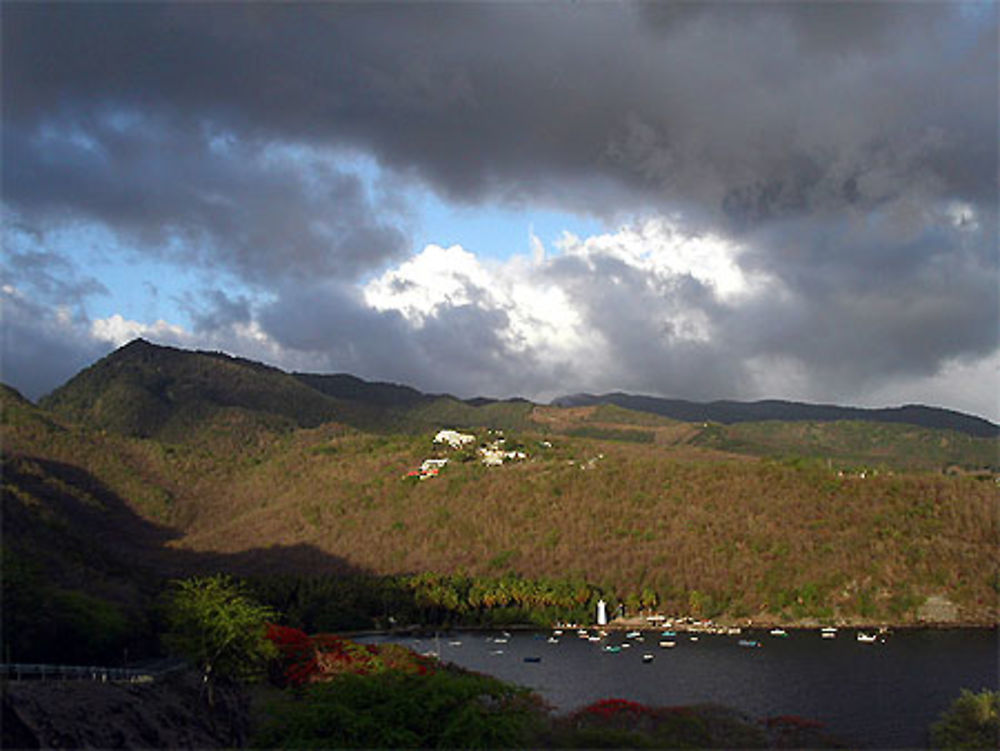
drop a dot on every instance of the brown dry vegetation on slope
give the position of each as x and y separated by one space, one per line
708 531
739 533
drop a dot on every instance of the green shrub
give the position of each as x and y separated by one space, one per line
221 629
446 709
972 721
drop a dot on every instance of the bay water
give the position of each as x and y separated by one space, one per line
884 694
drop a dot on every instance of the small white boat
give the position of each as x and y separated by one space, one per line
500 640
828 633
455 643
778 632
633 634
693 638
647 657
552 640
866 638
666 644
557 632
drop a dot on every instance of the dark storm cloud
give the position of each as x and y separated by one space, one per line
197 195
883 295
771 108
213 310
828 138
650 326
49 276
494 99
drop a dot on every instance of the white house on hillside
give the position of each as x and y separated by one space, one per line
454 439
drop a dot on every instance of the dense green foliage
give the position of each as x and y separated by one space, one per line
146 391
45 622
444 709
617 723
66 596
213 623
614 434
345 602
971 722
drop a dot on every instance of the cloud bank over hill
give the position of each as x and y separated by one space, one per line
800 199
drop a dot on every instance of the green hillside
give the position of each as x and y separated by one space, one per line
152 391
850 442
214 462
707 531
729 412
144 390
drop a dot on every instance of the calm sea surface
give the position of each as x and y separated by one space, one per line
881 695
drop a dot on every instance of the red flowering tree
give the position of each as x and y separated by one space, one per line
311 659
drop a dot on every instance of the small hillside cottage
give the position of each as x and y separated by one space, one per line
453 438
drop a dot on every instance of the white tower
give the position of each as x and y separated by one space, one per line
602 613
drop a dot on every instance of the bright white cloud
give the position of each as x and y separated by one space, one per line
539 316
434 277
553 318
119 330
660 248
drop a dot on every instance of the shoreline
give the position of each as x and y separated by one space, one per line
629 625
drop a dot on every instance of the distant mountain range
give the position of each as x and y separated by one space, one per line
730 412
148 390
151 391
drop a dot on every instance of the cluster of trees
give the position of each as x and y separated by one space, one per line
46 621
338 603
971 722
221 628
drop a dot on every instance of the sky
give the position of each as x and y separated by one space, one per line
702 201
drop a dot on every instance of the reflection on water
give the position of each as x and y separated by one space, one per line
876 694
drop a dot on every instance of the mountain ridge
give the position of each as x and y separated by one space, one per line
146 389
729 411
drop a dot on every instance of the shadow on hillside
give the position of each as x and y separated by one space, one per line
274 559
63 515
84 574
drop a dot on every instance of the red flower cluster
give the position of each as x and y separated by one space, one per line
298 653
308 659
608 708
